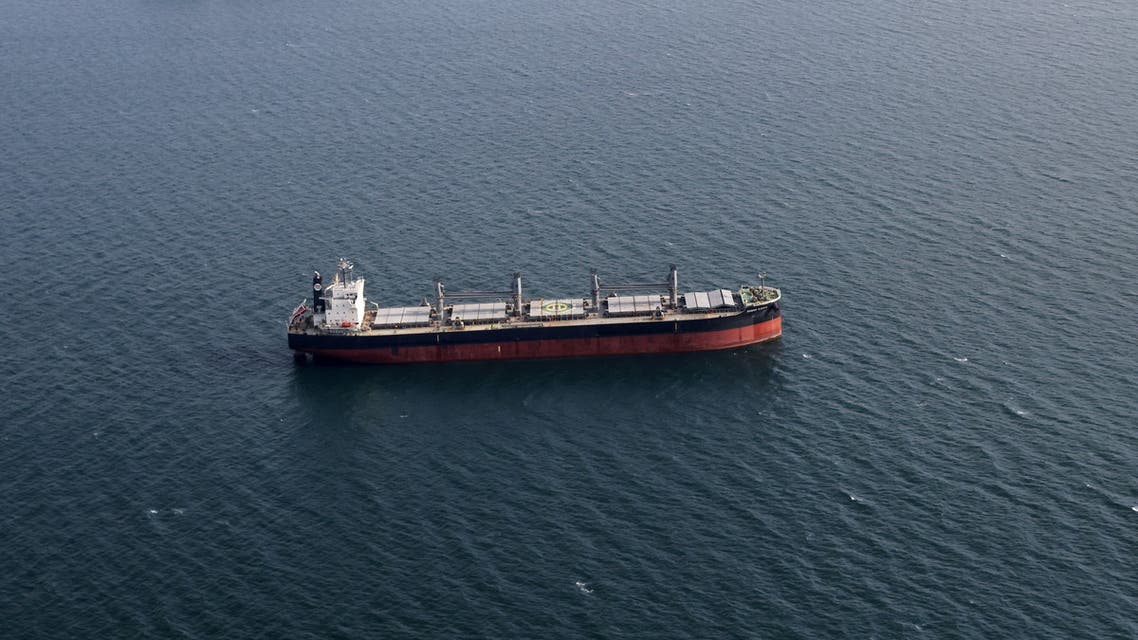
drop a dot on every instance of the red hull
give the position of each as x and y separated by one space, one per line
563 348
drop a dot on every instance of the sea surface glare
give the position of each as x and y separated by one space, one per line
942 445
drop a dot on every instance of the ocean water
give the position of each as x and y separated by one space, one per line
941 445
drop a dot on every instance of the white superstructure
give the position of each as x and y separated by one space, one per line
342 303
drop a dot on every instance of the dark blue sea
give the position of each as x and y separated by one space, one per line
942 445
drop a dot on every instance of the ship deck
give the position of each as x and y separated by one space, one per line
591 319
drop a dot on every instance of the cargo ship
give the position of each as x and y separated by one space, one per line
616 319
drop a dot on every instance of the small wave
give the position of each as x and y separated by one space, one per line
961 359
807 356
1134 508
1016 411
582 587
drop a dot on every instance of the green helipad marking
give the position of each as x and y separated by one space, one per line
555 307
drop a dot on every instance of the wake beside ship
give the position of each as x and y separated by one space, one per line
343 325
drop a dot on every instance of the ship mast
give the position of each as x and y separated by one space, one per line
345 268
673 286
439 289
596 279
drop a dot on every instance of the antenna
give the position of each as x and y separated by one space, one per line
345 268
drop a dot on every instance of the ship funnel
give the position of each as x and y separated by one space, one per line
317 293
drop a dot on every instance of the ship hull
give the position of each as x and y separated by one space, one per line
549 341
